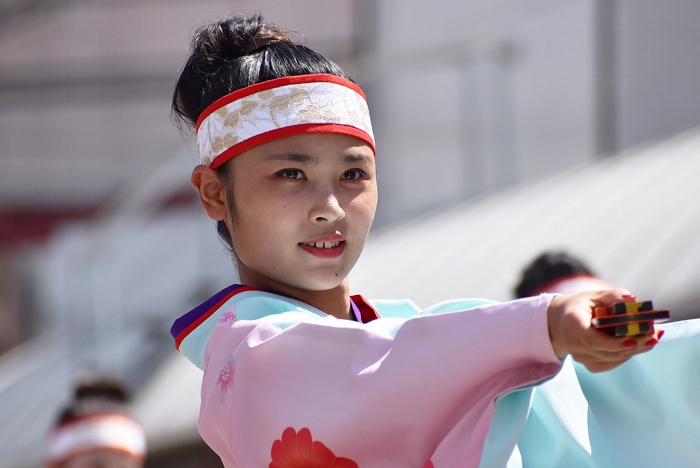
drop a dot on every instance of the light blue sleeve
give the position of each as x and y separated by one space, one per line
249 305
406 309
510 414
283 312
645 413
455 305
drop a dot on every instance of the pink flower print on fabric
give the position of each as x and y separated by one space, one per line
227 317
225 379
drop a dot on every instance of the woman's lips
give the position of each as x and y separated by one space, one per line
325 247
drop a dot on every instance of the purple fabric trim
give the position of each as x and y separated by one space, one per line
191 316
356 311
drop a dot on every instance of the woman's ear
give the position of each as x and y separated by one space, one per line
212 192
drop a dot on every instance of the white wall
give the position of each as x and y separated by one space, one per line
475 95
513 99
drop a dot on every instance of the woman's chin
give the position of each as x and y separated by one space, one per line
310 279
324 282
321 285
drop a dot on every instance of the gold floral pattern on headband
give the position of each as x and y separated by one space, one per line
231 119
285 106
297 96
247 107
230 140
279 103
311 113
217 145
329 116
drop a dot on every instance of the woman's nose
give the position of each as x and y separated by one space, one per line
327 209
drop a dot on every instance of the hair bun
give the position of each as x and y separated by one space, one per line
95 394
103 389
217 64
233 38
268 33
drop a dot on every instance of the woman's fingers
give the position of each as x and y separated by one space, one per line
601 366
604 298
586 355
571 331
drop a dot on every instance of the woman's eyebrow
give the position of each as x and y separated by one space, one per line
294 157
356 158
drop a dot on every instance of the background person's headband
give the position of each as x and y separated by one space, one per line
572 284
279 108
116 432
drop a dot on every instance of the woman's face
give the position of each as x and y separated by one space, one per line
304 206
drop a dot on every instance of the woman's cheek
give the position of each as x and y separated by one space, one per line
365 206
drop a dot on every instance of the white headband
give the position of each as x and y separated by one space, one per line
278 108
100 431
573 284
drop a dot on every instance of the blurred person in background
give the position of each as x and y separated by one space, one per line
95 429
558 272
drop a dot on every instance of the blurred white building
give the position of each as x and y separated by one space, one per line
472 96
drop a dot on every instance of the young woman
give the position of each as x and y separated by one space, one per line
297 373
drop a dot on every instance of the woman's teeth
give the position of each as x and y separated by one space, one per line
323 245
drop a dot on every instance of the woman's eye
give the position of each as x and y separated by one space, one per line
354 174
292 174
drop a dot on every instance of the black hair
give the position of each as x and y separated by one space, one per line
96 395
231 54
548 267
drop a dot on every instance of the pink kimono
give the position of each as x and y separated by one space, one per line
286 385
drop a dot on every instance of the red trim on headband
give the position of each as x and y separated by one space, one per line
276 83
289 131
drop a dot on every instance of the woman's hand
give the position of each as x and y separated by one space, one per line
571 332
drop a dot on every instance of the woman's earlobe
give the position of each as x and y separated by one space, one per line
212 193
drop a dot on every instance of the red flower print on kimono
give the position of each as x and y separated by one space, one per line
225 379
298 450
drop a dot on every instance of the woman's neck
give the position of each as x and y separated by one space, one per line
335 301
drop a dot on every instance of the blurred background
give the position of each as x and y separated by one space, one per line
504 129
